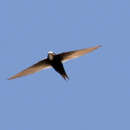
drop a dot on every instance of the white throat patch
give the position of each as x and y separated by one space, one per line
50 52
51 55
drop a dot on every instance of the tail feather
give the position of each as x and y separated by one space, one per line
65 76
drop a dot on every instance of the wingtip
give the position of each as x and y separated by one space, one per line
99 46
10 78
13 77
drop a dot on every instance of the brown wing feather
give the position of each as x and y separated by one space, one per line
65 56
32 69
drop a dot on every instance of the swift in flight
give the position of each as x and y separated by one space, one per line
55 61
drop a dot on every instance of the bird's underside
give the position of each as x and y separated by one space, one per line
57 60
58 67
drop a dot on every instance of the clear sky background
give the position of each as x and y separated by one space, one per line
97 96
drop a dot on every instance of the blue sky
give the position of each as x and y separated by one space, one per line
97 96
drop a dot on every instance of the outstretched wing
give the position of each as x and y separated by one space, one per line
32 69
65 56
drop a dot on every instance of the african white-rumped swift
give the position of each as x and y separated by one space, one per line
55 61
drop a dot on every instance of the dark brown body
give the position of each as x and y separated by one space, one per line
58 66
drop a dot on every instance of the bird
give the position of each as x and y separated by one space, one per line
54 61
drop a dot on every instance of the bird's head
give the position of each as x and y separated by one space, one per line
51 55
